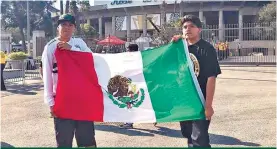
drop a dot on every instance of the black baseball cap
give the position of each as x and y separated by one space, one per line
67 18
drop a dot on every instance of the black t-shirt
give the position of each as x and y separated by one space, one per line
207 58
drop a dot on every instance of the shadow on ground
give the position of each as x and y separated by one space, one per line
6 145
116 129
22 89
158 130
226 140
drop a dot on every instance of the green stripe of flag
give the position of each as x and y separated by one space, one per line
170 83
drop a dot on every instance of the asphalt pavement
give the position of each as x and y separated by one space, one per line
245 116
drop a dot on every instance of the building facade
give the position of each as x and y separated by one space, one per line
127 18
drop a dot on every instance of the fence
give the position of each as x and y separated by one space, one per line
250 43
249 31
21 70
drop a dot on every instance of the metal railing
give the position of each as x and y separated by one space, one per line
257 56
21 70
249 31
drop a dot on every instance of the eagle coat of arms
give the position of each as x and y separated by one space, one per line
124 93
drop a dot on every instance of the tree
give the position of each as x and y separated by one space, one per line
14 16
268 13
163 34
88 30
75 9
16 36
266 28
43 20
84 6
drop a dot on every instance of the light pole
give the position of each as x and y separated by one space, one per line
28 29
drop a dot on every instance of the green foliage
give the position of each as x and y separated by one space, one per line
268 13
266 28
88 30
84 5
18 56
75 8
166 33
14 15
16 37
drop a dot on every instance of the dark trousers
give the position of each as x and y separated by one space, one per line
196 132
83 130
3 87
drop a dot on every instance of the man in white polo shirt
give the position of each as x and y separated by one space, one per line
64 128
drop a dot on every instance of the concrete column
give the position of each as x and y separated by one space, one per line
144 25
10 47
100 27
128 27
201 15
240 26
113 25
37 33
163 18
5 42
204 20
163 14
181 6
181 13
88 21
221 26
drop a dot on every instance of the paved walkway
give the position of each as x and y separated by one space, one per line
244 103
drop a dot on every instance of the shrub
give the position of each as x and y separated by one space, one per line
18 56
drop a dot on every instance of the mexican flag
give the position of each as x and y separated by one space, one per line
155 85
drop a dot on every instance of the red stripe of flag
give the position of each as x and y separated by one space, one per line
79 95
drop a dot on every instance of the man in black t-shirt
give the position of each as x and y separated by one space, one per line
196 131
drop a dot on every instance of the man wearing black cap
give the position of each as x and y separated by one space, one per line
64 128
207 70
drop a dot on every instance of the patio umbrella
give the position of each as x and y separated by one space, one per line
111 40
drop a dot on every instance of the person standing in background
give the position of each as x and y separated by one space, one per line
3 64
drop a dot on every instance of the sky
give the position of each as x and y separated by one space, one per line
57 4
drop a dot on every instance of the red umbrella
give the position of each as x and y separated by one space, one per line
111 40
